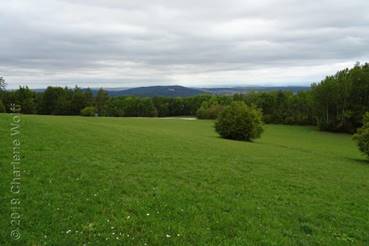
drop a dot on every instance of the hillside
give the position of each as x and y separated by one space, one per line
182 91
137 181
246 89
151 91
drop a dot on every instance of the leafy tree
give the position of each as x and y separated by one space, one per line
209 110
176 106
135 106
88 111
362 135
88 97
2 84
341 100
167 106
2 107
49 100
147 108
192 104
240 122
212 107
54 100
80 99
63 102
162 106
2 89
299 109
26 99
101 101
281 107
115 106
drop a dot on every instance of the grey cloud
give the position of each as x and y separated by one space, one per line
197 43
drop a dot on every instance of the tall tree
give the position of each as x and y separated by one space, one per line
341 100
101 101
80 100
2 89
2 84
26 99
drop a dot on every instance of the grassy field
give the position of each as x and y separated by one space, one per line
134 181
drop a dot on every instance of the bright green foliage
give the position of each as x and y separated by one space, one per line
56 100
81 99
240 122
88 111
281 107
209 110
342 99
101 100
23 96
131 106
362 135
64 101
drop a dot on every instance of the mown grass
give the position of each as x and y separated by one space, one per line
135 181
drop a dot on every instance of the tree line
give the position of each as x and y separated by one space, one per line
67 101
337 103
341 100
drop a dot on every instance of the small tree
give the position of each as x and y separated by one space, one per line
2 107
101 101
209 110
2 84
2 88
362 135
88 111
240 122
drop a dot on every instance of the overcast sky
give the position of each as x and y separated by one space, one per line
121 43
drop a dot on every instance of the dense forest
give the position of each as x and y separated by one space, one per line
337 103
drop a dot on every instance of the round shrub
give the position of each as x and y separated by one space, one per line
88 111
362 135
240 122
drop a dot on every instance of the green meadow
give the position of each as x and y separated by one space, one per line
152 181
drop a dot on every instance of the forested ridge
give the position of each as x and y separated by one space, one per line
337 103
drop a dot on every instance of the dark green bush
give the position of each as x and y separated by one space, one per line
88 111
240 122
362 135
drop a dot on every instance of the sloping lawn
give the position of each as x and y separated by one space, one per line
136 181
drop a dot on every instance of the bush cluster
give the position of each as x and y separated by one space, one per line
239 122
207 111
88 111
362 135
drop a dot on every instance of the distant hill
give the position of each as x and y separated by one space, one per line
233 90
181 91
164 91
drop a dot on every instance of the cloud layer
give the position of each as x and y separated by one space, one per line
114 43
